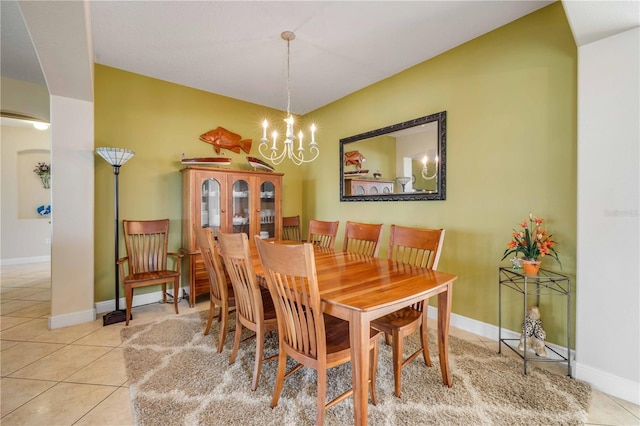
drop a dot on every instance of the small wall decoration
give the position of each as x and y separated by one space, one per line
354 158
43 170
222 138
44 210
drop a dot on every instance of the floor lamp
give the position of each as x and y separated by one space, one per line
116 157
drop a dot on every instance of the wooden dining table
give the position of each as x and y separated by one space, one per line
359 288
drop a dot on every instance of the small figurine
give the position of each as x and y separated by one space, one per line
533 332
377 174
516 263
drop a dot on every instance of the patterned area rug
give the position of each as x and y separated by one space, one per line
177 378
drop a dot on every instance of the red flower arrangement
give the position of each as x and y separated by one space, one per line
532 241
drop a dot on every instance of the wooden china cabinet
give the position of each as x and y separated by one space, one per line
229 201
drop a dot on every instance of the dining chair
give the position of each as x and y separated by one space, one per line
305 333
362 238
321 233
418 247
220 292
146 243
291 228
254 308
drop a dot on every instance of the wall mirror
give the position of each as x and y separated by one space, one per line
401 162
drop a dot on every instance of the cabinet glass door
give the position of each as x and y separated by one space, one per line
267 210
240 207
210 205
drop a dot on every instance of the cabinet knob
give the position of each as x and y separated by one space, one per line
222 211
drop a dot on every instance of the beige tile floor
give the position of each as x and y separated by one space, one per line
75 375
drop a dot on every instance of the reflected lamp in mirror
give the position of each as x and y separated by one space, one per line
427 165
411 154
403 180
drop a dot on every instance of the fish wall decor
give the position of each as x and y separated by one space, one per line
354 158
221 138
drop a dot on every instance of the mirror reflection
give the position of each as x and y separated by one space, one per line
405 161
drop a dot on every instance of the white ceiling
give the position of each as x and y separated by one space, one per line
234 48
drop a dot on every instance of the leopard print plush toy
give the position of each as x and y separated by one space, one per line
534 333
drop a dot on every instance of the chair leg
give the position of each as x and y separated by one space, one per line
282 364
322 394
398 343
164 292
176 292
373 372
224 312
424 337
212 308
128 295
236 342
387 339
258 362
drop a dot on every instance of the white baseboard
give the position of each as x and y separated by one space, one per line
138 300
606 382
619 387
23 260
75 318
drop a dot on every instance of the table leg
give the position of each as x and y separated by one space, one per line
359 336
444 314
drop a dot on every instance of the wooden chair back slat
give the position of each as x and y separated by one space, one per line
322 233
362 238
416 246
146 243
291 228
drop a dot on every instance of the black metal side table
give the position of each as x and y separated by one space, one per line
545 283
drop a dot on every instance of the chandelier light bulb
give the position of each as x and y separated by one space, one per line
265 124
313 135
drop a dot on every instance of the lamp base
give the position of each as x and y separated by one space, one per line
114 317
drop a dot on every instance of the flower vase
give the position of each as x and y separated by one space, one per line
531 267
45 178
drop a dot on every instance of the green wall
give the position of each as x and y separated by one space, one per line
380 155
160 121
510 97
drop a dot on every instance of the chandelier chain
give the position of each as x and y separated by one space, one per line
288 78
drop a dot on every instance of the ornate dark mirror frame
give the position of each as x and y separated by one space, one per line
441 185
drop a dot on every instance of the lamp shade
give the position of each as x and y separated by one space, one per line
115 156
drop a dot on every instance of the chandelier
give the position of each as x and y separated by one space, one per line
425 168
277 154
